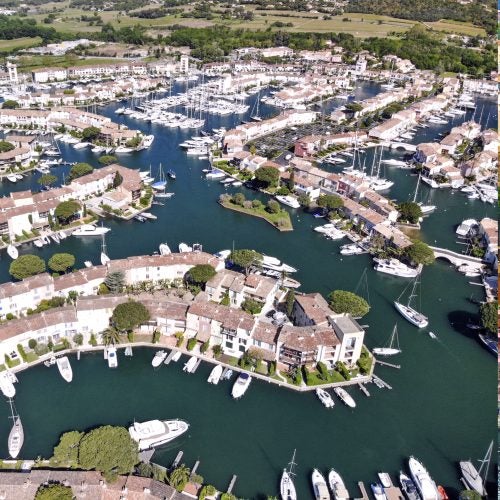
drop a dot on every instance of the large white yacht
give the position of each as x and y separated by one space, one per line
90 230
288 200
6 385
156 432
396 268
241 385
423 481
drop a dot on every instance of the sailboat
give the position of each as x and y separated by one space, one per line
392 348
104 257
256 116
16 435
426 209
287 488
410 314
161 183
476 478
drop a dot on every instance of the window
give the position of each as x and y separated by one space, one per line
229 345
242 348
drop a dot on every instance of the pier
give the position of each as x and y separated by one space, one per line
364 494
364 390
231 484
378 381
196 365
385 363
177 460
169 357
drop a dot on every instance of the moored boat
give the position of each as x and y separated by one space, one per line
474 478
215 374
408 486
16 435
190 364
425 484
155 433
159 358
6 385
393 345
64 368
337 486
378 491
345 397
112 357
90 230
241 385
319 486
325 398
164 249
287 487
13 252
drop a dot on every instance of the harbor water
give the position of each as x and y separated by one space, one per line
442 407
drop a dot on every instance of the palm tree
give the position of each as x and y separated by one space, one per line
110 336
179 477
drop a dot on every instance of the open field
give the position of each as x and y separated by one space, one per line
19 43
457 27
28 63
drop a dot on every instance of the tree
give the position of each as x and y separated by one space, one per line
107 159
252 306
110 336
207 490
79 170
420 253
115 281
304 200
109 450
409 212
289 301
342 301
330 202
117 180
90 134
469 495
179 477
273 207
239 199
201 273
129 315
245 258
66 451
6 146
67 210
61 262
10 104
267 176
26 266
54 491
489 316
47 179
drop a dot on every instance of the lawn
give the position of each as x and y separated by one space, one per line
457 27
28 63
19 43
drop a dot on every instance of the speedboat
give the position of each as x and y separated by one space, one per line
276 265
16 437
288 200
112 357
325 398
408 487
378 491
164 249
215 374
223 254
319 486
64 368
491 343
352 249
159 358
155 433
466 226
396 268
6 385
385 479
90 230
12 178
190 364
38 243
183 248
13 252
345 397
425 484
337 486
241 385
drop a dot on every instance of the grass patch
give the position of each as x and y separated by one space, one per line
28 63
19 43
31 356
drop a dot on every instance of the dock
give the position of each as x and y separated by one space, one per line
222 377
145 456
378 381
169 357
385 363
364 495
198 363
393 493
195 467
128 351
231 484
177 460
364 390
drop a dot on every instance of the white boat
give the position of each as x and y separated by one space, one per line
287 487
393 345
410 314
385 479
432 335
215 374
378 491
237 184
241 385
325 398
335 234
337 486
88 263
155 433
16 435
81 145
223 254
12 178
423 481
288 200
395 268
184 248
215 174
190 364
64 367
90 230
276 265
13 252
38 243
164 249
352 249
476 478
408 487
112 357
345 397
319 486
176 356
7 386
466 226
159 358
62 235
123 149
104 256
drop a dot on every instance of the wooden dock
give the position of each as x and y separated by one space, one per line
364 390
169 357
364 495
231 484
177 460
381 382
393 493
385 363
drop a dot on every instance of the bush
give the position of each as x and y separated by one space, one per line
191 343
342 369
156 336
93 340
217 350
272 368
252 306
323 371
180 338
21 351
204 347
273 207
78 339
32 343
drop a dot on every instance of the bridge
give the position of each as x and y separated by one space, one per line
458 259
403 145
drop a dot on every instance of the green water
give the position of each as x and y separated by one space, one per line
442 407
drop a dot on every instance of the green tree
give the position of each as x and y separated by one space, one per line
61 262
66 210
54 491
47 179
6 146
26 265
115 281
110 336
109 450
90 134
342 301
420 253
489 316
273 207
179 477
409 212
201 273
304 200
107 159
469 495
66 451
252 306
207 490
10 104
330 202
117 180
289 301
245 258
129 315
267 176
239 199
79 170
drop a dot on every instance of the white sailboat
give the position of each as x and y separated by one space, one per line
337 486
476 478
287 488
104 257
410 314
319 486
393 346
426 209
64 367
16 435
215 374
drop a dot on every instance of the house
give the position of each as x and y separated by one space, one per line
488 230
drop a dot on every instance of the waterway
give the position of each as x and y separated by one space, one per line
443 404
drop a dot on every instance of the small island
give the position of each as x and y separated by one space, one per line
271 212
